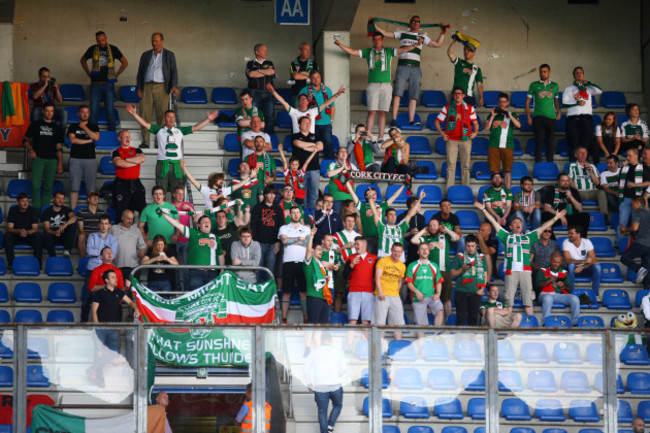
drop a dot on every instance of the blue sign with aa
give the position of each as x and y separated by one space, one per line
294 12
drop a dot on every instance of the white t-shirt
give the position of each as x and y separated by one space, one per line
610 178
250 135
211 195
296 114
294 252
599 131
580 252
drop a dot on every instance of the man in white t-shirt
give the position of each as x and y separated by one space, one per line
247 138
609 182
580 257
303 108
294 237
215 188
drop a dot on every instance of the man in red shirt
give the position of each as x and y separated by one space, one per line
460 129
360 271
95 281
128 191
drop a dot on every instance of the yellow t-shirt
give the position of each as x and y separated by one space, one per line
392 272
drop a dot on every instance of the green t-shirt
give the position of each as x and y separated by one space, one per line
439 256
501 133
466 75
286 208
335 259
474 278
497 199
249 193
241 113
543 96
388 235
368 226
203 248
156 223
265 163
497 304
379 63
315 278
424 276
333 188
517 250
227 237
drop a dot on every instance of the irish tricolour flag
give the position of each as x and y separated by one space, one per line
226 299
46 419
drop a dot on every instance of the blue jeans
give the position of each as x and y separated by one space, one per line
312 177
96 92
200 278
533 220
624 212
160 286
593 272
612 203
324 134
182 249
263 100
547 300
322 402
634 251
267 260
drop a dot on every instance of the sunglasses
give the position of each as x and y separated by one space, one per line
548 231
415 21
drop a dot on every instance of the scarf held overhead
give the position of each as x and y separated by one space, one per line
372 21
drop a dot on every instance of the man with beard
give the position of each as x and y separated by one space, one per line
555 287
261 160
527 204
561 197
498 200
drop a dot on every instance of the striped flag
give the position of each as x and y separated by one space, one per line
46 419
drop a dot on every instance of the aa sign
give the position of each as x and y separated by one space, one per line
294 12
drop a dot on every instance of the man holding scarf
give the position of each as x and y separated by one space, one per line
264 162
338 172
317 279
461 128
103 76
471 266
318 94
579 121
555 286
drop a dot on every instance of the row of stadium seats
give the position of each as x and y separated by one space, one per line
481 429
28 266
36 316
30 292
37 377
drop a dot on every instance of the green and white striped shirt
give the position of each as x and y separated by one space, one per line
580 176
388 235
406 39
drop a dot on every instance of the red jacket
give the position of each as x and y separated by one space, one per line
362 277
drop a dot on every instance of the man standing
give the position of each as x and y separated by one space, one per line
318 94
580 257
82 163
294 237
579 121
227 231
169 139
304 144
262 161
562 197
95 282
495 313
362 149
317 279
260 71
460 129
245 414
97 241
332 261
498 200
103 76
246 252
640 248
359 271
245 113
266 219
128 191
44 143
467 74
327 220
132 246
162 401
527 204
182 245
547 111
250 191
300 69
424 281
501 146
471 266
22 228
344 240
487 245
59 226
389 232
304 108
45 90
408 66
157 78
389 274
248 138
555 287
416 224
155 222
379 89
609 182
586 179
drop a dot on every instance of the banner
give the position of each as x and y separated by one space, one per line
48 420
386 177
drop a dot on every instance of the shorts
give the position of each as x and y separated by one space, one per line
293 275
360 306
447 289
498 157
499 321
523 280
379 96
420 310
412 74
85 169
390 308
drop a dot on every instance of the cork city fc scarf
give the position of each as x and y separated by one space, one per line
382 55
96 64
638 178
582 89
453 118
528 199
252 162
371 25
312 99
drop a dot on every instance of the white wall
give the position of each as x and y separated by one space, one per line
6 52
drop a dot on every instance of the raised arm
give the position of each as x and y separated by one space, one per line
331 100
414 209
278 97
176 223
376 214
348 50
550 222
282 157
488 216
355 197
132 111
311 156
189 175
209 118
309 252
450 51
386 33
396 194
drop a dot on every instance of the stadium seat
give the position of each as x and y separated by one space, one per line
361 349
567 353
510 380
106 166
583 411
407 378
28 316
339 318
548 409
283 120
17 186
420 429
476 408
27 292
525 126
401 350
519 170
541 381
603 247
473 380
58 267
403 122
443 170
598 383
451 320
323 167
591 322
5 317
389 429
481 192
643 410
194 95
491 98
638 383
72 92
433 194
557 321
546 171
554 430
594 354
448 408
6 377
226 119
419 144
640 294
591 294
575 382
597 222
102 119
517 151
129 94
634 354
595 430
467 351
440 146
453 429
73 115
441 379
624 412
534 352
233 167
3 266
60 316
530 147
460 194
616 299
518 99
386 410
392 189
481 170
414 407
522 430
435 351
231 143
528 321
431 175
4 293
433 99
365 379
431 118
224 96
107 141
6 348
562 148
480 146
82 266
468 219
612 99
38 376
360 190
506 352
514 409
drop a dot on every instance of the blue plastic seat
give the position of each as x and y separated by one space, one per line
522 430
365 378
360 190
227 119
624 412
441 379
407 378
467 351
403 122
433 99
506 352
597 222
6 377
433 194
528 321
361 349
286 94
548 409
554 430
83 266
567 353
525 126
224 96
72 92
534 352
27 292
530 147
557 321
481 170
129 94
517 151
38 376
460 194
339 318
73 114
231 143
591 322
4 293
5 317
583 411
233 167
401 350
457 173
519 170
514 409
591 294
468 219
414 407
616 299
611 99
491 98
58 267
541 381
440 146
60 316
453 429
17 186
448 408
510 380
634 354
640 294
283 120
476 408
594 354
595 430
323 168
598 383
603 247
3 266
194 95
392 189
480 146
419 144
435 351
473 380
386 410
431 118
518 99
28 316
102 119
106 166
638 383
546 171
575 382
389 429
643 410
431 175
420 429
107 140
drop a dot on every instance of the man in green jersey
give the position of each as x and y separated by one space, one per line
495 313
154 221
424 281
470 270
332 261
317 279
467 74
246 112
501 146
498 199
545 96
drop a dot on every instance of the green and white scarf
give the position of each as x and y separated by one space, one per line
452 118
638 178
371 59
528 199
